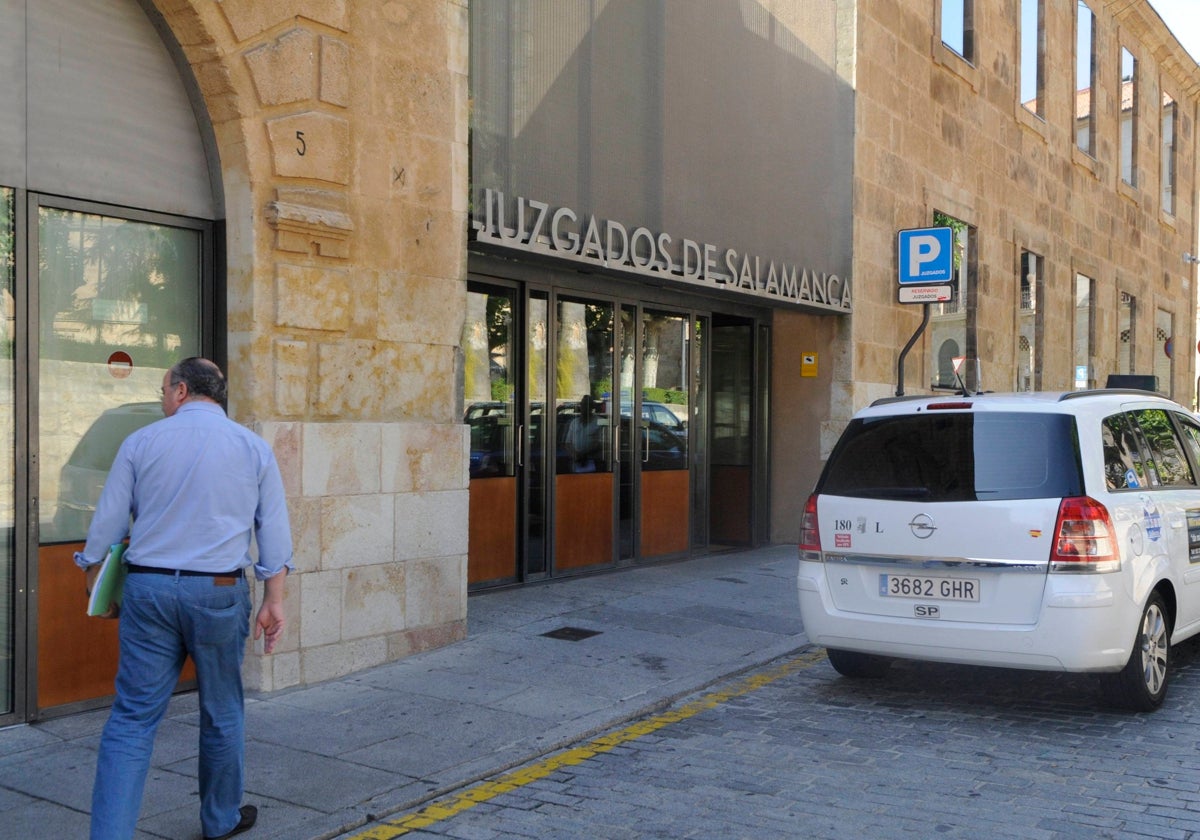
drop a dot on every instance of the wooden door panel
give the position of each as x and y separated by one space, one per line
729 503
665 506
583 520
492 529
76 655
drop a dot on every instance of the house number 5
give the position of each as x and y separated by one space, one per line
303 147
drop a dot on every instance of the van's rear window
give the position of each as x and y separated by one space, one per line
954 457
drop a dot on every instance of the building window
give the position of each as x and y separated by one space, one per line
1033 56
1164 363
1169 110
1029 373
1085 318
1126 333
958 27
953 322
1129 112
1085 71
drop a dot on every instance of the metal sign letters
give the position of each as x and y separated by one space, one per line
536 227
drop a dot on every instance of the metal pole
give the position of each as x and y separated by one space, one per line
904 352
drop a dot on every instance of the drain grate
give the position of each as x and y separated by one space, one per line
571 634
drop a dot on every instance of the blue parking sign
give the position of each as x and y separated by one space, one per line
925 255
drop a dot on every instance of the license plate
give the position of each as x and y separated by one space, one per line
929 588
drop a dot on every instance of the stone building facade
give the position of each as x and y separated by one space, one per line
937 132
342 134
349 257
940 134
335 140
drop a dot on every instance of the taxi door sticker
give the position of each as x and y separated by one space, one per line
1193 525
1152 522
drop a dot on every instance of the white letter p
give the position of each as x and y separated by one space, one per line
921 250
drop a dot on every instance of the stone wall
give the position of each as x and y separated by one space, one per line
342 132
938 133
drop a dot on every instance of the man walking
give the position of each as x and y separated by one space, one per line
198 487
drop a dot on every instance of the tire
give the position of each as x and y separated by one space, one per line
851 663
1142 684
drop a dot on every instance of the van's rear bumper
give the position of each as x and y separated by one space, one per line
1076 630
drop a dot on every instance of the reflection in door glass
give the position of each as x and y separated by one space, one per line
583 420
118 303
583 386
492 416
660 436
627 504
7 451
487 386
655 348
536 460
664 392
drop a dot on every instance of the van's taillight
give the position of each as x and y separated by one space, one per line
810 532
1084 538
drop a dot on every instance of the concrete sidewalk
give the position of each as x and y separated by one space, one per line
323 760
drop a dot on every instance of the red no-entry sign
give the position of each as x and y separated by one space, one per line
120 365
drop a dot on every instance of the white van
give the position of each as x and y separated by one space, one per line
1043 531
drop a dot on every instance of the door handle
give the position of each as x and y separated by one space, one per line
521 445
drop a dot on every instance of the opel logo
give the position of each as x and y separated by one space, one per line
922 526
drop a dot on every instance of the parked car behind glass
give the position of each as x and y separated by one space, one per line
82 477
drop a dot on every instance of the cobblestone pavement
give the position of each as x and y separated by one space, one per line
797 751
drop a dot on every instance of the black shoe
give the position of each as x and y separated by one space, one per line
249 818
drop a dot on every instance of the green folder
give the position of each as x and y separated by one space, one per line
109 583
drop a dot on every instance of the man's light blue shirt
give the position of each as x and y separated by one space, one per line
199 487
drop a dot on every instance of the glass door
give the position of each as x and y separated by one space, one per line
489 390
8 465
731 424
584 430
117 301
504 387
655 499
590 429
535 453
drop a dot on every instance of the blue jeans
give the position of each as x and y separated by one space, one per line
164 618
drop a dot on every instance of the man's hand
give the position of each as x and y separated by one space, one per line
270 622
90 575
270 618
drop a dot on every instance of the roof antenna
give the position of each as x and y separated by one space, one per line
962 385
957 366
958 363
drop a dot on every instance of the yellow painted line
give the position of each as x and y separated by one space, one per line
444 809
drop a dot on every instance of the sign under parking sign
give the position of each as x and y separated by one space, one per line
939 293
925 256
